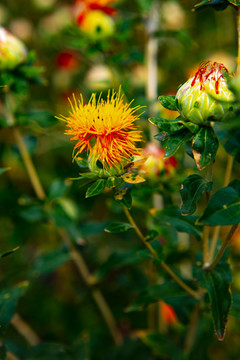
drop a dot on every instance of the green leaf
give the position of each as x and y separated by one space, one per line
88 175
34 213
8 303
82 182
47 352
117 227
96 188
161 345
157 246
170 126
204 147
216 4
145 5
118 260
2 170
230 138
42 117
191 191
3 352
155 293
223 207
114 181
171 216
168 102
217 282
153 234
50 261
123 196
174 142
9 252
57 189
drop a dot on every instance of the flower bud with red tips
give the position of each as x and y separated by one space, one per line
12 51
205 97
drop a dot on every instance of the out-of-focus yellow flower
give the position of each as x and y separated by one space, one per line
94 17
97 24
106 130
12 51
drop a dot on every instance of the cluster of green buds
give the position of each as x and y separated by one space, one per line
205 97
12 51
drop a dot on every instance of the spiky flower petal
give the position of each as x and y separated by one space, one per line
106 130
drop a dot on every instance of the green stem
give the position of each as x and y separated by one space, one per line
223 247
153 252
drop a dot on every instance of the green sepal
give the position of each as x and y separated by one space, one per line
204 147
174 142
170 126
168 102
96 188
114 181
88 175
191 191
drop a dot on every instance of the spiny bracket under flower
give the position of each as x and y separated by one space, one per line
115 182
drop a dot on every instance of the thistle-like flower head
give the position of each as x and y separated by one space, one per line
105 130
205 96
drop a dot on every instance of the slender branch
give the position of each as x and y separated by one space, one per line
11 356
25 330
29 165
192 329
153 252
223 247
76 257
216 231
89 281
205 246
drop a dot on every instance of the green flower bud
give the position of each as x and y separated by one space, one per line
101 171
12 51
205 97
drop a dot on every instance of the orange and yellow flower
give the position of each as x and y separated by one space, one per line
106 130
83 7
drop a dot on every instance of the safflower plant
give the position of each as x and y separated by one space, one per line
121 163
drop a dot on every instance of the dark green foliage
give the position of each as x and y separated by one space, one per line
223 207
191 191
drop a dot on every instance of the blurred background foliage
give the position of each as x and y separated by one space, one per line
38 279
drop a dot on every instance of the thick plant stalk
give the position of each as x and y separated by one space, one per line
153 252
11 356
216 231
76 257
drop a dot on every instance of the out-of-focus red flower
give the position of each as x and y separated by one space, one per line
67 60
155 163
168 314
83 7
